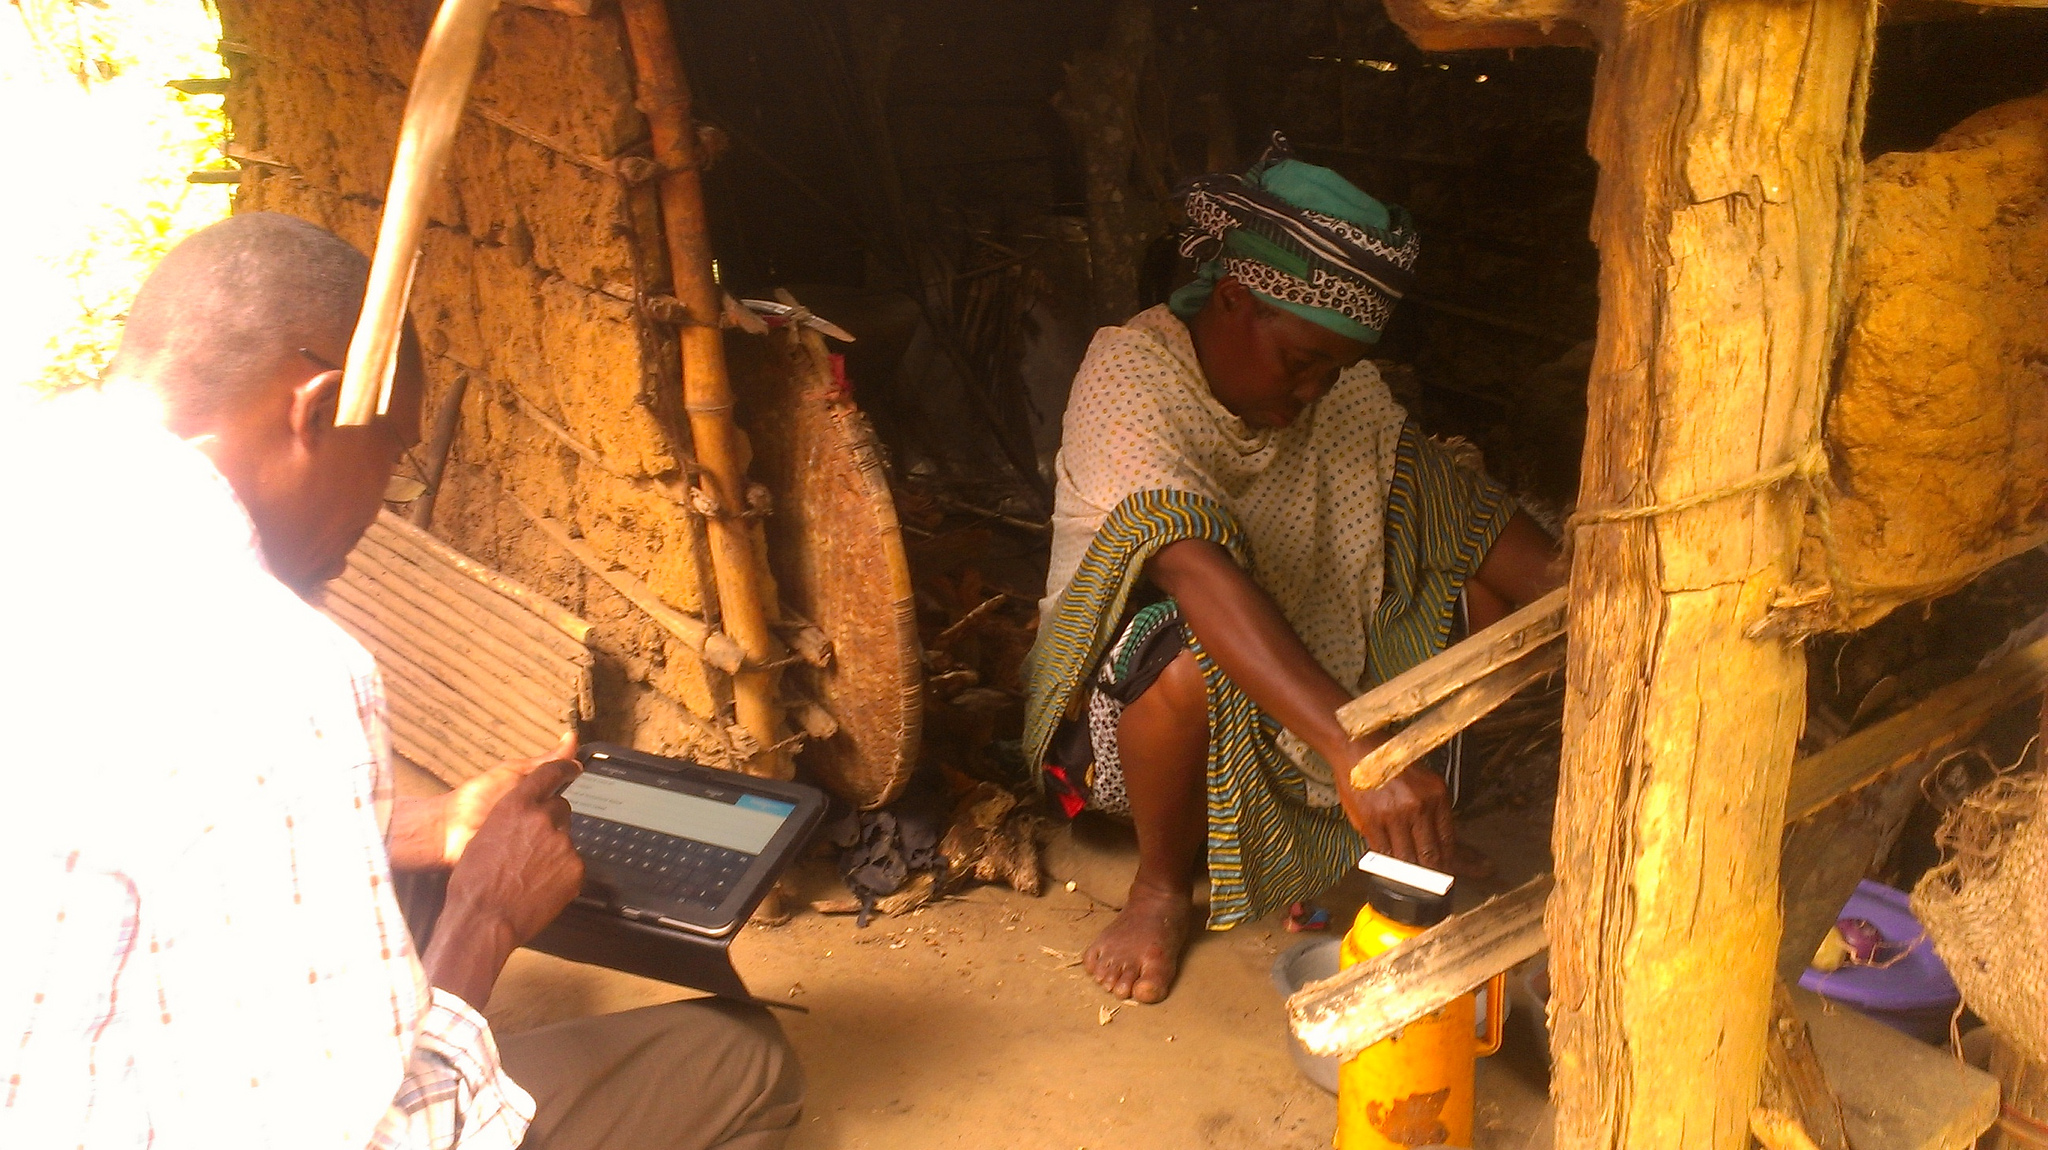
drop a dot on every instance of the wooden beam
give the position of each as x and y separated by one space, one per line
1422 686
1958 709
1436 728
1727 134
1449 25
1367 1002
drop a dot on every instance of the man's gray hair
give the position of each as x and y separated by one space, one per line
213 320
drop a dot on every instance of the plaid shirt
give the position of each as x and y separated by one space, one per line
201 947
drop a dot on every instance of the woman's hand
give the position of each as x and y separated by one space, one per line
1408 818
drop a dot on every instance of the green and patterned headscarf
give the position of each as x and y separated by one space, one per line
1302 238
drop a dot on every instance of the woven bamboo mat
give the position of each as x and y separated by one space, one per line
477 668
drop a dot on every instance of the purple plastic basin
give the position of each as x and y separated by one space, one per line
1914 994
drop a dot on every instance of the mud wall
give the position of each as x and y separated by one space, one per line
532 266
1938 428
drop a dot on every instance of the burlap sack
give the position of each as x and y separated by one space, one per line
1986 906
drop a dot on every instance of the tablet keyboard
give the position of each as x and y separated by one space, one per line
670 867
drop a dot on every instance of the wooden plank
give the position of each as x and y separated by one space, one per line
1372 1000
1436 728
1897 1093
1423 686
1450 25
1795 1085
1872 753
1848 803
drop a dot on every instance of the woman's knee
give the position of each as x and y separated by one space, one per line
1178 695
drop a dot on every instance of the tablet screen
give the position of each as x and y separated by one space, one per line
733 820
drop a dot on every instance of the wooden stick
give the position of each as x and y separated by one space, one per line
804 637
421 513
814 719
699 636
1437 727
1376 998
1420 687
433 110
745 588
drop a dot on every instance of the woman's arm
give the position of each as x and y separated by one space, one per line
1524 563
1250 640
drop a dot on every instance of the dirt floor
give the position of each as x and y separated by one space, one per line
971 1023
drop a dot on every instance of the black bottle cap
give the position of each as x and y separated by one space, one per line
1405 902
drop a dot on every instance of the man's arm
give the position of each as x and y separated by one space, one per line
514 877
1251 641
517 873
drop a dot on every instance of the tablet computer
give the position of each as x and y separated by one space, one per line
669 842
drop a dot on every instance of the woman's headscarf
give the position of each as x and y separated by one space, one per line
1302 238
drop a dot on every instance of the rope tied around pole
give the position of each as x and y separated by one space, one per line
1809 468
705 502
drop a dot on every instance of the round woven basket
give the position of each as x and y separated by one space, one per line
837 554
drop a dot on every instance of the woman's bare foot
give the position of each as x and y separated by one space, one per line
1138 955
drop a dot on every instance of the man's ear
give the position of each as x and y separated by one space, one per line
314 405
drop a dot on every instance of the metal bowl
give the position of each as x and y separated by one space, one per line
1296 968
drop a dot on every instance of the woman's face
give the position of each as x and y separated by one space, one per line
1264 364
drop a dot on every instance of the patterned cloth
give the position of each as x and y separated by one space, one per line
202 945
1361 530
1304 239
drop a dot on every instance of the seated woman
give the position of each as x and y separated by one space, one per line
1248 533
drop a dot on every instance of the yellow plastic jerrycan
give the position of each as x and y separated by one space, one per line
1414 1089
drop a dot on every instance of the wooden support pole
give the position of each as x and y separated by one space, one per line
739 564
1727 133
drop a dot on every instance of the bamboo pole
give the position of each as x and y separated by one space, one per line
433 110
1727 133
738 564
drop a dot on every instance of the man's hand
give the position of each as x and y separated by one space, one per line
431 833
467 806
1408 818
516 875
